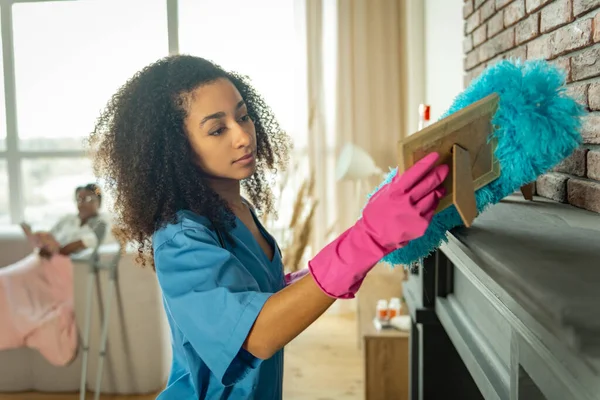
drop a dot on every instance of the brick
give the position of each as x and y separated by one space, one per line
471 60
514 12
579 92
594 96
540 48
584 193
587 64
498 44
574 164
583 6
527 29
572 37
505 41
488 9
495 24
596 36
478 3
593 164
534 5
467 44
467 8
590 130
473 21
555 15
520 53
480 35
553 186
494 60
564 64
502 3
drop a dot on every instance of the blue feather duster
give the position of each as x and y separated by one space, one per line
536 125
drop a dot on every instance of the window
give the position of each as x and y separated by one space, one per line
70 57
78 56
4 212
256 38
49 185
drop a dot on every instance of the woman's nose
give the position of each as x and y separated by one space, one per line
241 138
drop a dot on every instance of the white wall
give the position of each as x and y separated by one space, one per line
443 54
414 54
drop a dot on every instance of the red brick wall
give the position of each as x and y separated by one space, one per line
565 32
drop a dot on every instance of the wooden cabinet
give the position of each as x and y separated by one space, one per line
386 356
385 352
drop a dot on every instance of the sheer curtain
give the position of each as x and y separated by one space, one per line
358 91
357 88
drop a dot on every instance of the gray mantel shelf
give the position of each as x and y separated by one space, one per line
547 257
514 301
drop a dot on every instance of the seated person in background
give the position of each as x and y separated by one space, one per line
73 232
36 292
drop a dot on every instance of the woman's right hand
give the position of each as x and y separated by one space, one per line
47 242
399 212
402 210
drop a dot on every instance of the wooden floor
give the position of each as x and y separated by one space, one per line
323 363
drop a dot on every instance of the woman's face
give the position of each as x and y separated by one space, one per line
220 131
87 203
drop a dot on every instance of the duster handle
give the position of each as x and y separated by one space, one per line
463 195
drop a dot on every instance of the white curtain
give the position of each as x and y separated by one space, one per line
357 85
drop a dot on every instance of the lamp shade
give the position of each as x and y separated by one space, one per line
355 163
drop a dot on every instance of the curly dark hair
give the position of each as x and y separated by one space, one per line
140 147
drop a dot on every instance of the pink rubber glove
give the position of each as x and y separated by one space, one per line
398 213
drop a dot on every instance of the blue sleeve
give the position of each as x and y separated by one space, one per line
212 299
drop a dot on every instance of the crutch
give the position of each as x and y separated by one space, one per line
95 267
112 280
92 273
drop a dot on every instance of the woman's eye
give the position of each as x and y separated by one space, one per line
245 118
217 132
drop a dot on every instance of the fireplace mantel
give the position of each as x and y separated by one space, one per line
510 308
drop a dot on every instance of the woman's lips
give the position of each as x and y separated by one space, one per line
248 158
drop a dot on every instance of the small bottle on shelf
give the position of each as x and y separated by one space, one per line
382 310
424 115
394 307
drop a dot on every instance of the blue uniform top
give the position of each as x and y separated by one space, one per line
212 297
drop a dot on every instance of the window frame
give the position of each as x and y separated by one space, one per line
11 153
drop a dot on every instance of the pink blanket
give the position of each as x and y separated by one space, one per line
36 307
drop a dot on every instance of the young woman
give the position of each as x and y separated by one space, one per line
178 142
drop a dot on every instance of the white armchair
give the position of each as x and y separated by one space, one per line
138 347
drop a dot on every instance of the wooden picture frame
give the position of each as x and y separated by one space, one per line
465 143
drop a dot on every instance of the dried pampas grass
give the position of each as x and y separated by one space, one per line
295 240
